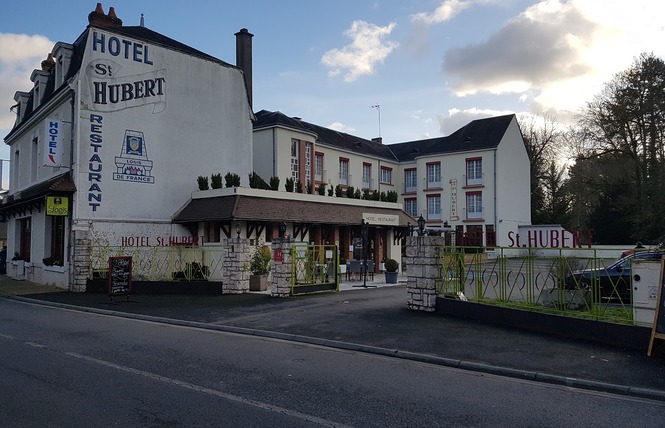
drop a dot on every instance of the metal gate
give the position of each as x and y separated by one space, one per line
314 269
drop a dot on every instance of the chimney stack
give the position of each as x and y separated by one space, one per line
48 63
244 58
99 19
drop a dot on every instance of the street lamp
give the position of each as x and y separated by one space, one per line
364 231
282 230
421 225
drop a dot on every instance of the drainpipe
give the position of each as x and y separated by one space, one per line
496 209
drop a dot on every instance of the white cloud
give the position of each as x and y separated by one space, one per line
19 55
558 54
367 49
457 118
445 12
338 126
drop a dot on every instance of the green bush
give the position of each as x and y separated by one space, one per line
216 181
260 263
232 180
203 182
391 265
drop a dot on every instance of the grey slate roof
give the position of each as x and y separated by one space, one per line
252 208
476 135
136 32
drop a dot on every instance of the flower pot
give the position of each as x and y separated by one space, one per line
391 277
258 282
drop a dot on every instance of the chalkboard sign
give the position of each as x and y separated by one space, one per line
120 276
658 330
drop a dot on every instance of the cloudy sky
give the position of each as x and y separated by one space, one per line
430 65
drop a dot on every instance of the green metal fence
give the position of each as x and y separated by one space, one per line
535 279
162 263
315 268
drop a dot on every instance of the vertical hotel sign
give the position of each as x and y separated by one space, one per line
54 142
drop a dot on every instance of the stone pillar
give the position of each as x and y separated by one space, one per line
81 268
420 265
235 266
280 285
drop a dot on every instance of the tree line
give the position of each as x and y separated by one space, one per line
606 172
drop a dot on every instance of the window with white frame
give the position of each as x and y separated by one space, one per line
474 171
344 171
434 175
367 175
294 160
318 167
386 175
474 205
410 180
308 163
411 207
433 207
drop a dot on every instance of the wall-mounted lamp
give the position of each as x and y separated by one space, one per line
282 230
421 225
238 230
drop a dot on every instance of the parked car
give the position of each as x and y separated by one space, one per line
614 280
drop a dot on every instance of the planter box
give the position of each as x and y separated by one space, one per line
391 277
258 282
342 268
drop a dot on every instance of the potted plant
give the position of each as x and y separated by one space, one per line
260 267
391 266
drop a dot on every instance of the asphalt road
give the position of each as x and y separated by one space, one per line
61 367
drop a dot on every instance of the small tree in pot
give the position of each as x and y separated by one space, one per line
391 266
260 266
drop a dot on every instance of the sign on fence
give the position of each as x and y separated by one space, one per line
658 329
120 276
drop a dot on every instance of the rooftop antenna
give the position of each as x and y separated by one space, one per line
142 21
378 107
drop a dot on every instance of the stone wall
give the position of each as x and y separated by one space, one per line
82 261
281 274
421 270
235 266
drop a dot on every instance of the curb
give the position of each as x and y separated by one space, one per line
637 392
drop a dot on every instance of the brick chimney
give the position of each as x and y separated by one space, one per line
99 19
244 58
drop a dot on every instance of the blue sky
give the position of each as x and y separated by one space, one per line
431 65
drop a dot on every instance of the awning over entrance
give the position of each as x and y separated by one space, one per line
266 209
35 197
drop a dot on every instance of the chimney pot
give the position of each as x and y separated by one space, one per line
100 19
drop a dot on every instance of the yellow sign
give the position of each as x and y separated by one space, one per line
57 205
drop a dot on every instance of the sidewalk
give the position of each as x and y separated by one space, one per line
375 319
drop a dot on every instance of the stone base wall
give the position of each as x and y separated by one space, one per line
420 266
236 265
280 285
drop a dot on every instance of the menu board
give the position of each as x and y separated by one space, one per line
120 276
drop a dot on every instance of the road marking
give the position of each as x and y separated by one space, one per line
35 345
6 336
199 388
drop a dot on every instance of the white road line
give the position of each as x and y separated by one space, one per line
6 336
198 388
